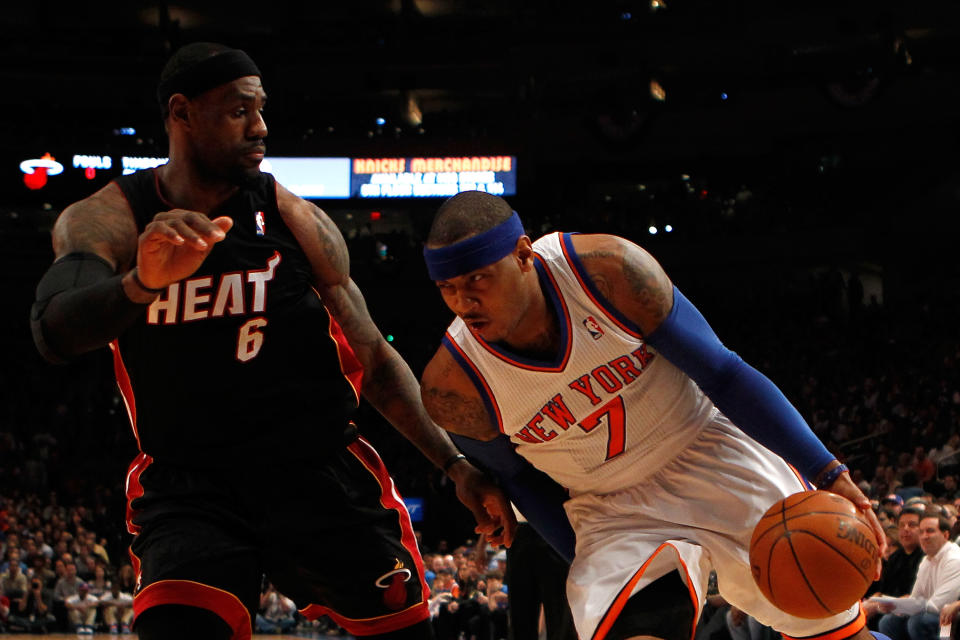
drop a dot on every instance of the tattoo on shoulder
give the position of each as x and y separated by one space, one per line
96 226
601 281
457 413
646 286
331 242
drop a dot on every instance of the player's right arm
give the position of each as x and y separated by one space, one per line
93 291
454 403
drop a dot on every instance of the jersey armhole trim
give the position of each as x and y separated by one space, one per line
486 393
586 283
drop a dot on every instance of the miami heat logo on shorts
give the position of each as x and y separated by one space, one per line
393 584
593 327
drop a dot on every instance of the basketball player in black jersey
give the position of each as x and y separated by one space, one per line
241 345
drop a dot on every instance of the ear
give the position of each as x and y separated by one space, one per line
524 253
179 107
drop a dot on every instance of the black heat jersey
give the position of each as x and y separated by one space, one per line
240 362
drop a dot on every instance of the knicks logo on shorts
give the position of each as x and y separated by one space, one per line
394 585
593 327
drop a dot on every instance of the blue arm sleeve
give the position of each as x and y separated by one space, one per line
535 494
741 392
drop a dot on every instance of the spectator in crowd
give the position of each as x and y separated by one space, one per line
82 610
33 612
13 582
99 585
117 609
276 613
13 557
900 568
66 586
937 584
40 568
126 579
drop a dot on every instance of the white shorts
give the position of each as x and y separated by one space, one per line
694 515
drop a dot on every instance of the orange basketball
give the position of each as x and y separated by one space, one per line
813 555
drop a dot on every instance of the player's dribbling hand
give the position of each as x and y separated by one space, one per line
845 487
490 508
175 243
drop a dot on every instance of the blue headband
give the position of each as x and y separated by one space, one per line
474 252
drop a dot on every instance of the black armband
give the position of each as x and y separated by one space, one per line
80 306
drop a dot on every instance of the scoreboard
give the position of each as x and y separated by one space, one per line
324 178
432 177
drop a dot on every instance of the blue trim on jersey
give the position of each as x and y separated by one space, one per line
587 281
563 319
478 382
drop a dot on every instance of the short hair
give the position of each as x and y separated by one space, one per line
467 214
942 523
912 509
184 58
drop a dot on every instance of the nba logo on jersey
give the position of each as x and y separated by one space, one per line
261 225
593 327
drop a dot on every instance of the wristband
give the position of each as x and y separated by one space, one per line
831 476
136 278
452 460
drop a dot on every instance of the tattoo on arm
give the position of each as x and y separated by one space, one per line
599 279
458 414
646 287
331 243
95 226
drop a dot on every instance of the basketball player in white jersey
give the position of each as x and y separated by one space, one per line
575 357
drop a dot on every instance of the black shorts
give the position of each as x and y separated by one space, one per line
333 535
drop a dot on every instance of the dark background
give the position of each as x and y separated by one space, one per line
801 147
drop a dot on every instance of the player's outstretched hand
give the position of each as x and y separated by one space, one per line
845 487
490 507
174 245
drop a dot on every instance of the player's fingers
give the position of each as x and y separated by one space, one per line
224 223
194 237
162 231
201 225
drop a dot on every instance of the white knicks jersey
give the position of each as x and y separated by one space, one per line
607 411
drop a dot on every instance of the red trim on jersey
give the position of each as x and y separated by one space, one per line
627 591
850 629
135 563
390 499
567 348
194 594
134 488
603 305
486 390
350 365
126 389
370 626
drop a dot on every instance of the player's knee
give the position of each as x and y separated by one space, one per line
663 609
166 621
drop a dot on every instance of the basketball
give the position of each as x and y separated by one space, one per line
813 554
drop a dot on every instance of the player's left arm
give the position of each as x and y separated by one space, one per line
637 286
388 383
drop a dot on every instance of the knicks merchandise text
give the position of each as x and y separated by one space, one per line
201 372
621 412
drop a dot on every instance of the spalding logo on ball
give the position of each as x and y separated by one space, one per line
813 555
